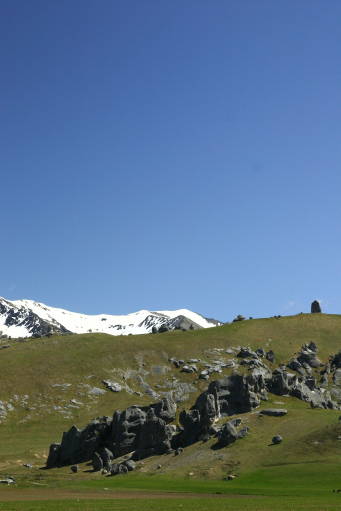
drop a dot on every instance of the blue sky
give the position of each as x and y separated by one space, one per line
161 154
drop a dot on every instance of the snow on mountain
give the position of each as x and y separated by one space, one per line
27 318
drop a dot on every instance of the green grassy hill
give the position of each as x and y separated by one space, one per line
49 384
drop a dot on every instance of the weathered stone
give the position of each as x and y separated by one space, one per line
106 456
315 307
227 435
121 435
246 353
277 439
260 352
279 383
154 437
130 464
324 379
165 409
336 361
97 462
53 457
295 365
308 356
243 432
189 369
227 396
204 375
113 386
274 412
270 356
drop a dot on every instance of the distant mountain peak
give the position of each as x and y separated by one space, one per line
28 318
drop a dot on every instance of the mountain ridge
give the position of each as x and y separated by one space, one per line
28 318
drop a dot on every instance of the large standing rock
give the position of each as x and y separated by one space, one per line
154 437
53 457
191 427
165 409
128 426
78 445
315 307
227 435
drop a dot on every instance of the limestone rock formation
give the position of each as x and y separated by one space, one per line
227 396
104 438
315 307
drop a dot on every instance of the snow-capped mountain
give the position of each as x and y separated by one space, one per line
26 318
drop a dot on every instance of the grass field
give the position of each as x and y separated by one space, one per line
40 378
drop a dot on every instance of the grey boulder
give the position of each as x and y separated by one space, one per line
274 412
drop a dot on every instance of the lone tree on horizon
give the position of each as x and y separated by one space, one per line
315 307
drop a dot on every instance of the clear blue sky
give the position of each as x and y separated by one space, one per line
165 154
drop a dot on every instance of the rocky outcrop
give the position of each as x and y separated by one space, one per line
283 383
229 433
136 428
79 445
315 307
227 396
308 355
141 431
154 438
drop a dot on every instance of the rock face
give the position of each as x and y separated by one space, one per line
154 438
315 307
283 383
78 445
142 429
227 396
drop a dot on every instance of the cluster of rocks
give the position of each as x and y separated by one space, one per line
306 360
304 388
228 396
139 432
142 430
191 366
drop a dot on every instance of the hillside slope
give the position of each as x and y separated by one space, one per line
49 384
